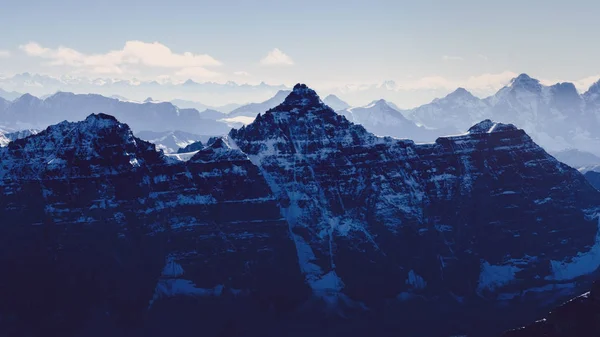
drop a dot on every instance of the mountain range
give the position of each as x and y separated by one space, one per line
382 119
298 221
170 141
28 111
556 116
211 93
227 108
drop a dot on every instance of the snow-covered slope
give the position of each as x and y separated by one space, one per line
9 136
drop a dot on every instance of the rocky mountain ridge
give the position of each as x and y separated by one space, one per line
297 220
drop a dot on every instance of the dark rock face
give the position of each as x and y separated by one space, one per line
464 218
594 178
98 229
196 146
301 223
578 317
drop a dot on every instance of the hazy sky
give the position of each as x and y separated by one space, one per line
418 44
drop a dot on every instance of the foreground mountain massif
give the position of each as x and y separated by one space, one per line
301 223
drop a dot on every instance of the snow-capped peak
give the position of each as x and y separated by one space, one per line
524 81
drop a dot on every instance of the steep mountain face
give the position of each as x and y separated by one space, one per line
301 223
120 235
170 141
593 178
459 109
577 317
445 219
382 119
31 112
335 103
195 146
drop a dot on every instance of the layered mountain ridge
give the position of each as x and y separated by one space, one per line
297 211
29 111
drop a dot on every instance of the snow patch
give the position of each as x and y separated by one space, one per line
579 265
492 277
172 268
415 280
181 287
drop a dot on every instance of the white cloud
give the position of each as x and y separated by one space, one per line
451 58
483 57
277 57
134 53
4 53
241 73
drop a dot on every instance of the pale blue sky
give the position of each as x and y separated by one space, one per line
330 43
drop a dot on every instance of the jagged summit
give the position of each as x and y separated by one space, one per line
379 102
216 150
489 126
526 82
565 87
101 117
302 95
100 144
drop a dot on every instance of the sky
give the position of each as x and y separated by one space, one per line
420 45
